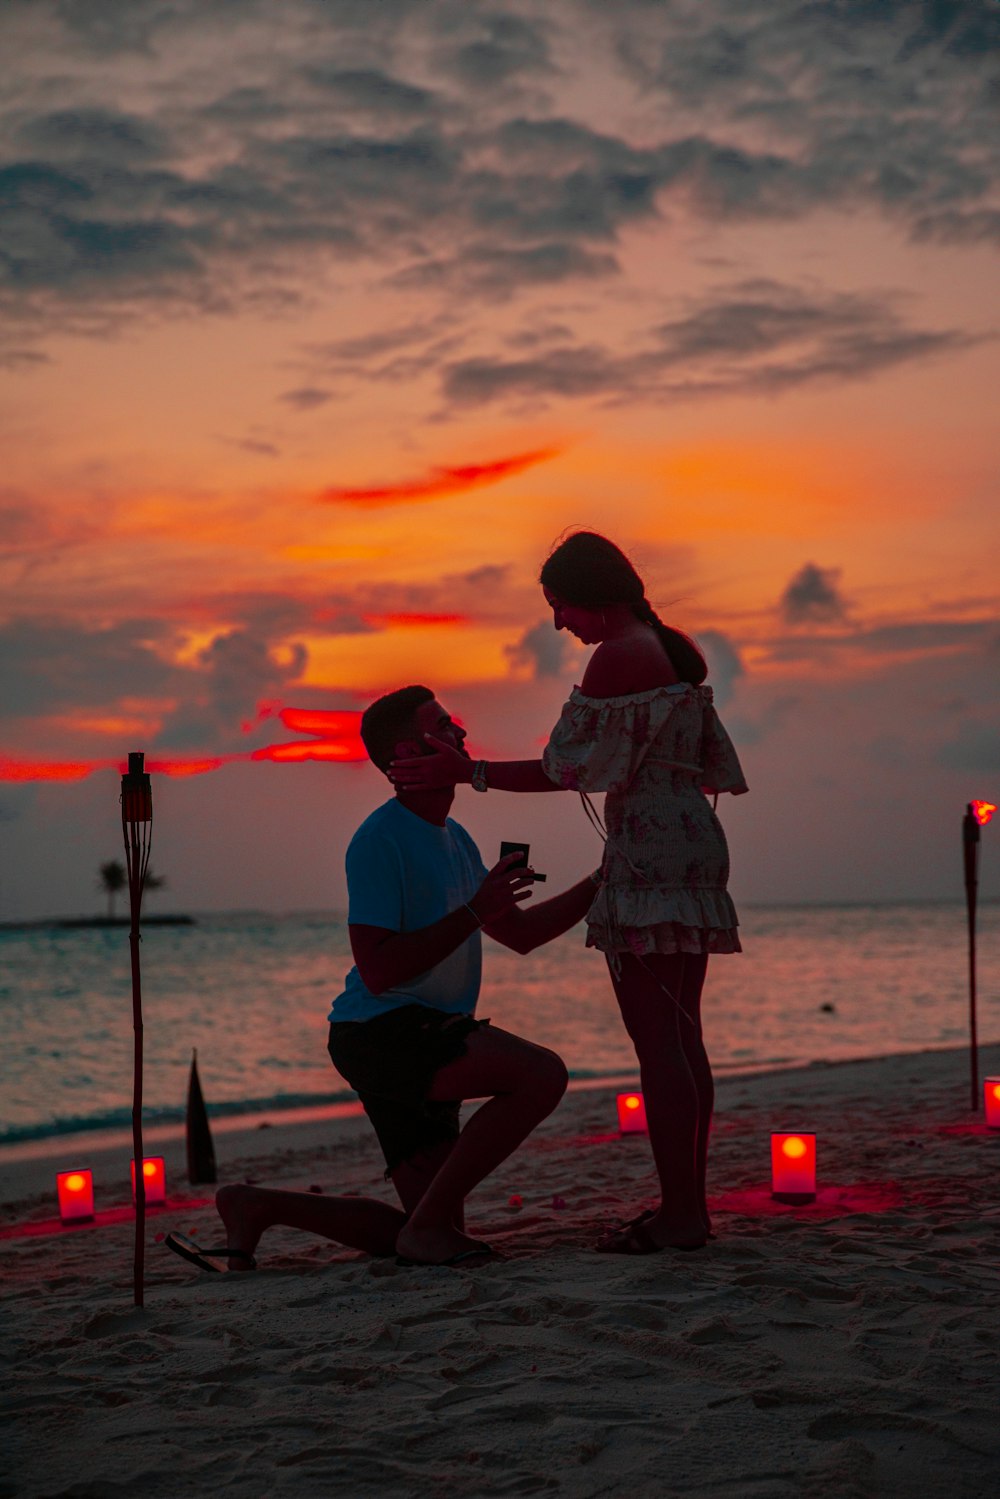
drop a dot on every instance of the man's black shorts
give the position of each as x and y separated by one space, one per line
391 1062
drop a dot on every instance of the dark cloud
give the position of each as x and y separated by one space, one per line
931 638
370 91
813 597
482 269
112 138
402 136
755 337
541 649
306 397
231 676
48 665
724 663
503 48
255 446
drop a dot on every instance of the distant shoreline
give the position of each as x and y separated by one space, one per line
76 923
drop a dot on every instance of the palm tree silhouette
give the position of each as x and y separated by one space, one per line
114 878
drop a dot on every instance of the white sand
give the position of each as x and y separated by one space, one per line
849 1348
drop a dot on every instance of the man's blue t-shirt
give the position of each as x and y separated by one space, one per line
404 873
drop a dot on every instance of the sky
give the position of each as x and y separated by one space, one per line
321 322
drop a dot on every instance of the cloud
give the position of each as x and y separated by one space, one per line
47 664
724 663
541 650
440 481
813 597
372 92
502 49
223 684
305 397
754 337
456 148
920 641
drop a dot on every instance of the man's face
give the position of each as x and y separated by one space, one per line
431 718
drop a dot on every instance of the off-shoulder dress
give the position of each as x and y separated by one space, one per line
666 861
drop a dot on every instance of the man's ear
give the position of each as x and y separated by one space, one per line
408 749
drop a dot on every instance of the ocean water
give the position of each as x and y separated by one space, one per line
252 992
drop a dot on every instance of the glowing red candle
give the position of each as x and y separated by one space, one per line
154 1179
793 1167
76 1196
991 1098
631 1114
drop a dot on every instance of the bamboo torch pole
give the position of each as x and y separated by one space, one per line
137 823
977 815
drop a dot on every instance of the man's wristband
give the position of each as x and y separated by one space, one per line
479 776
472 912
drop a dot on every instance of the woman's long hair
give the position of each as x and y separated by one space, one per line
590 571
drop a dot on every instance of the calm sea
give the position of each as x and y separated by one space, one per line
252 992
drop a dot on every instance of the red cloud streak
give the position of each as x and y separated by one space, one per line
440 481
402 621
335 737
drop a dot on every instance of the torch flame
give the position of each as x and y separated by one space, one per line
982 812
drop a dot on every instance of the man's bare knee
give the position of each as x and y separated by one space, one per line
549 1077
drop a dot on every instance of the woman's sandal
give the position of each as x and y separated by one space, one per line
635 1238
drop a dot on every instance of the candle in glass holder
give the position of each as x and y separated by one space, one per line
631 1114
75 1190
793 1167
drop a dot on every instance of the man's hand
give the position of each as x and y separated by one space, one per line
502 889
448 766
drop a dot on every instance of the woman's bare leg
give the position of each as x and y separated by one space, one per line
651 994
692 984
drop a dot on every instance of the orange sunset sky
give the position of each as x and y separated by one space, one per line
321 322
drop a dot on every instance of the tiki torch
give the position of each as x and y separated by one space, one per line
977 815
137 827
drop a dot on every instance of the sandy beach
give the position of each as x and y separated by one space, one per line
844 1348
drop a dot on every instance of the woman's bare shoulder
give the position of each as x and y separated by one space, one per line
619 667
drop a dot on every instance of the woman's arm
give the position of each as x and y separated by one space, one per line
518 775
451 767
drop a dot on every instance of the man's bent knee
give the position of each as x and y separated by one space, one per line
550 1077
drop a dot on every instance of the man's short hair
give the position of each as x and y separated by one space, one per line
390 719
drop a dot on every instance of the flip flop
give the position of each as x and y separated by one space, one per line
207 1259
481 1251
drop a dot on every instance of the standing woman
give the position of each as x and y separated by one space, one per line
641 728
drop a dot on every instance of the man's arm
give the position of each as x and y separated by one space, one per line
386 959
523 931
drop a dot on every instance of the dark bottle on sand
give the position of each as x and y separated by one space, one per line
200 1151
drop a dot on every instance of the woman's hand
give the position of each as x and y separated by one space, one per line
447 766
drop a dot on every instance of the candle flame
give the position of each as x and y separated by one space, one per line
793 1147
632 1102
982 812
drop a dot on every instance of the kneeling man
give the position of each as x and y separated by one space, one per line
403 1032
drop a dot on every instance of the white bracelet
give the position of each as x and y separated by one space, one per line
479 776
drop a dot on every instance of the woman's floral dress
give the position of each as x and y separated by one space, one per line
666 862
